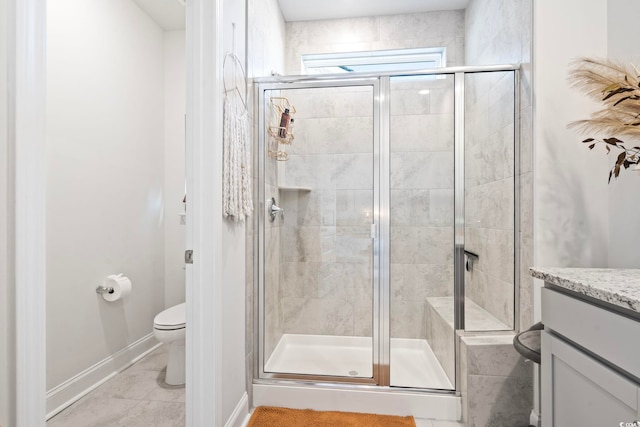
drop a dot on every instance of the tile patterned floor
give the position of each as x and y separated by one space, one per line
136 397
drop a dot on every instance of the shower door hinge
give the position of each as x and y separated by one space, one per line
188 256
374 231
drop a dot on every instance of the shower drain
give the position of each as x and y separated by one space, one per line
353 373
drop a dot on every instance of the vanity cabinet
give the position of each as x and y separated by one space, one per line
590 366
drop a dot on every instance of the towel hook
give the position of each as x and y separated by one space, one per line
235 86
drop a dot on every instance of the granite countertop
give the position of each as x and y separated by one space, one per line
620 287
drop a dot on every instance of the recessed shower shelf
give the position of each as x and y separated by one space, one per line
292 188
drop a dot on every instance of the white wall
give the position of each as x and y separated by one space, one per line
233 242
104 179
7 365
174 163
624 206
570 186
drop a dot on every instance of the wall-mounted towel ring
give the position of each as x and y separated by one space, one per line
229 89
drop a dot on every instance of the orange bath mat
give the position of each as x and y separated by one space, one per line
269 416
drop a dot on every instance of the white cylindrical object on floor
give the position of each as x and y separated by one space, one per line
176 374
121 287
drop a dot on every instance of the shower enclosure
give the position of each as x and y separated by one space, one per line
387 222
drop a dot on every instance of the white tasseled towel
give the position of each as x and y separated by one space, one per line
236 186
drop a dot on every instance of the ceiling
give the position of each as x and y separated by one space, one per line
168 14
311 10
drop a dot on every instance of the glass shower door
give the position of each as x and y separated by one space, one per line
319 256
421 221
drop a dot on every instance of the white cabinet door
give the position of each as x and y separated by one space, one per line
577 390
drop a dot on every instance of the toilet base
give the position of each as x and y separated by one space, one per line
176 364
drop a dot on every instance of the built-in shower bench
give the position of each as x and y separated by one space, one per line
441 327
476 317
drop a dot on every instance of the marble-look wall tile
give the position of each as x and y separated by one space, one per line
408 320
363 317
326 257
422 245
431 29
336 280
498 401
499 31
336 103
493 295
450 23
318 316
309 208
309 244
490 160
497 255
496 382
266 37
526 282
354 207
338 31
422 207
489 192
422 132
417 282
333 135
354 245
441 339
441 207
496 356
325 171
462 364
422 170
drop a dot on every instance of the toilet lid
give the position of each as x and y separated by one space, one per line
172 318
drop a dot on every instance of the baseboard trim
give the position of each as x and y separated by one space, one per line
70 391
239 416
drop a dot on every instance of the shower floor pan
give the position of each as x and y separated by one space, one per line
413 363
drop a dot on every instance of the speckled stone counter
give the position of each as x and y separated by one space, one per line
620 287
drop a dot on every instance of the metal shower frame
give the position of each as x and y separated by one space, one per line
380 82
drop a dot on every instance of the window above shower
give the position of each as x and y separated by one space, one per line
380 61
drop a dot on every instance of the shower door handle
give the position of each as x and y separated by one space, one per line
274 210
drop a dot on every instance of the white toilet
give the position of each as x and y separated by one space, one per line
169 328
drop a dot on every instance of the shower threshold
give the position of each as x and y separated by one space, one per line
413 362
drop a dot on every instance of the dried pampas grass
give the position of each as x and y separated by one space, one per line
617 86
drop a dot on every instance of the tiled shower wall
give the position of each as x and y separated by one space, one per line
489 192
325 248
326 189
430 29
421 201
499 32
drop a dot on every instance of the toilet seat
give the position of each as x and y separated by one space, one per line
171 319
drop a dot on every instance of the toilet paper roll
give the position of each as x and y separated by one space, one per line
121 287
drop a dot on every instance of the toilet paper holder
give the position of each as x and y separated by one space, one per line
104 290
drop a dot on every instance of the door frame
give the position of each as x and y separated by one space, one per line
380 364
27 143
